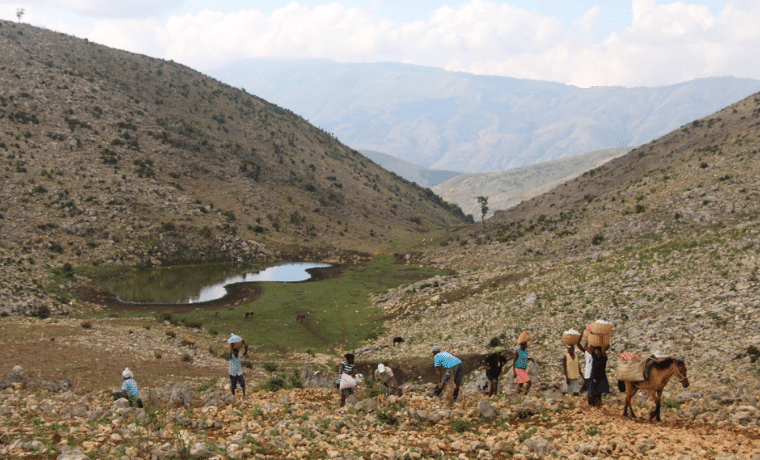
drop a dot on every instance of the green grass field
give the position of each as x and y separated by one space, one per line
339 313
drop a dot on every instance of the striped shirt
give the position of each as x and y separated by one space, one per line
345 367
129 387
445 360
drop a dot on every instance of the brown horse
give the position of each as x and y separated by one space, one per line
660 373
300 318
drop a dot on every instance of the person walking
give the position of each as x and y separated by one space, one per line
236 363
129 389
598 384
345 367
520 366
449 367
588 359
572 371
494 364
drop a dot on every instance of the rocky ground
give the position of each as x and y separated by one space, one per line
181 421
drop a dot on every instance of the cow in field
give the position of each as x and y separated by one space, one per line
248 314
398 340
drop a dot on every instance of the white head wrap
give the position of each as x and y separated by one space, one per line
127 374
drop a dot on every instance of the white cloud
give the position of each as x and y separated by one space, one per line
100 8
587 21
664 44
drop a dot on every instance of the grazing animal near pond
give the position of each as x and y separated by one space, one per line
398 340
248 314
190 343
658 376
300 318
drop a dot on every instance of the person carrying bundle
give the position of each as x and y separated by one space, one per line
520 365
570 365
346 367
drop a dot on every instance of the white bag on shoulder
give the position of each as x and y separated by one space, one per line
346 381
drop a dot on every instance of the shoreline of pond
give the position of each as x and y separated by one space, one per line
237 294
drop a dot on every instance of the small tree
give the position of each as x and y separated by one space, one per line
483 200
19 14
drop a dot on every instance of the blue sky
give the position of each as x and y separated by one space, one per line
578 42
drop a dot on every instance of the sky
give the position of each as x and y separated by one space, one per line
584 43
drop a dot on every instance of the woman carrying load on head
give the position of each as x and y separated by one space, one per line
597 385
520 365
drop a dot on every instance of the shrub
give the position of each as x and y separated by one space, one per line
670 404
597 240
192 324
460 426
270 367
86 325
387 417
495 342
171 334
186 358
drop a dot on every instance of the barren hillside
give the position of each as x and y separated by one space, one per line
115 158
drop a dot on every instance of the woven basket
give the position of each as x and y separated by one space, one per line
524 338
570 339
598 340
601 328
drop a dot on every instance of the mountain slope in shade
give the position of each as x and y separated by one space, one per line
464 122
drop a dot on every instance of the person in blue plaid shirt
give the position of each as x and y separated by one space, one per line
129 389
236 368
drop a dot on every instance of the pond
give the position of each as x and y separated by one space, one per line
199 283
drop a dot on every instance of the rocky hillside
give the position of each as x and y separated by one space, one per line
663 241
114 158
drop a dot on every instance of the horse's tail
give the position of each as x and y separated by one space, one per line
621 385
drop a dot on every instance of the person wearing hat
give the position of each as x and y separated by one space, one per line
448 365
129 389
494 364
236 363
346 367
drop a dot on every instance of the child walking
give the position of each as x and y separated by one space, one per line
520 368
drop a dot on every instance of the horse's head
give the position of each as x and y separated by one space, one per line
679 372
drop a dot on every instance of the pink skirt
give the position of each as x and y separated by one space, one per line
522 376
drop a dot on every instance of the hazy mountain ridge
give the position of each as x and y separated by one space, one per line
464 122
425 177
508 188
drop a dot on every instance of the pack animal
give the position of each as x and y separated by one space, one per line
300 318
398 340
190 343
248 314
658 376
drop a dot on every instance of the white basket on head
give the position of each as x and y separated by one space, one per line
601 327
571 337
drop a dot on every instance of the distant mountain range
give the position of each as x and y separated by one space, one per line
426 177
506 189
464 122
